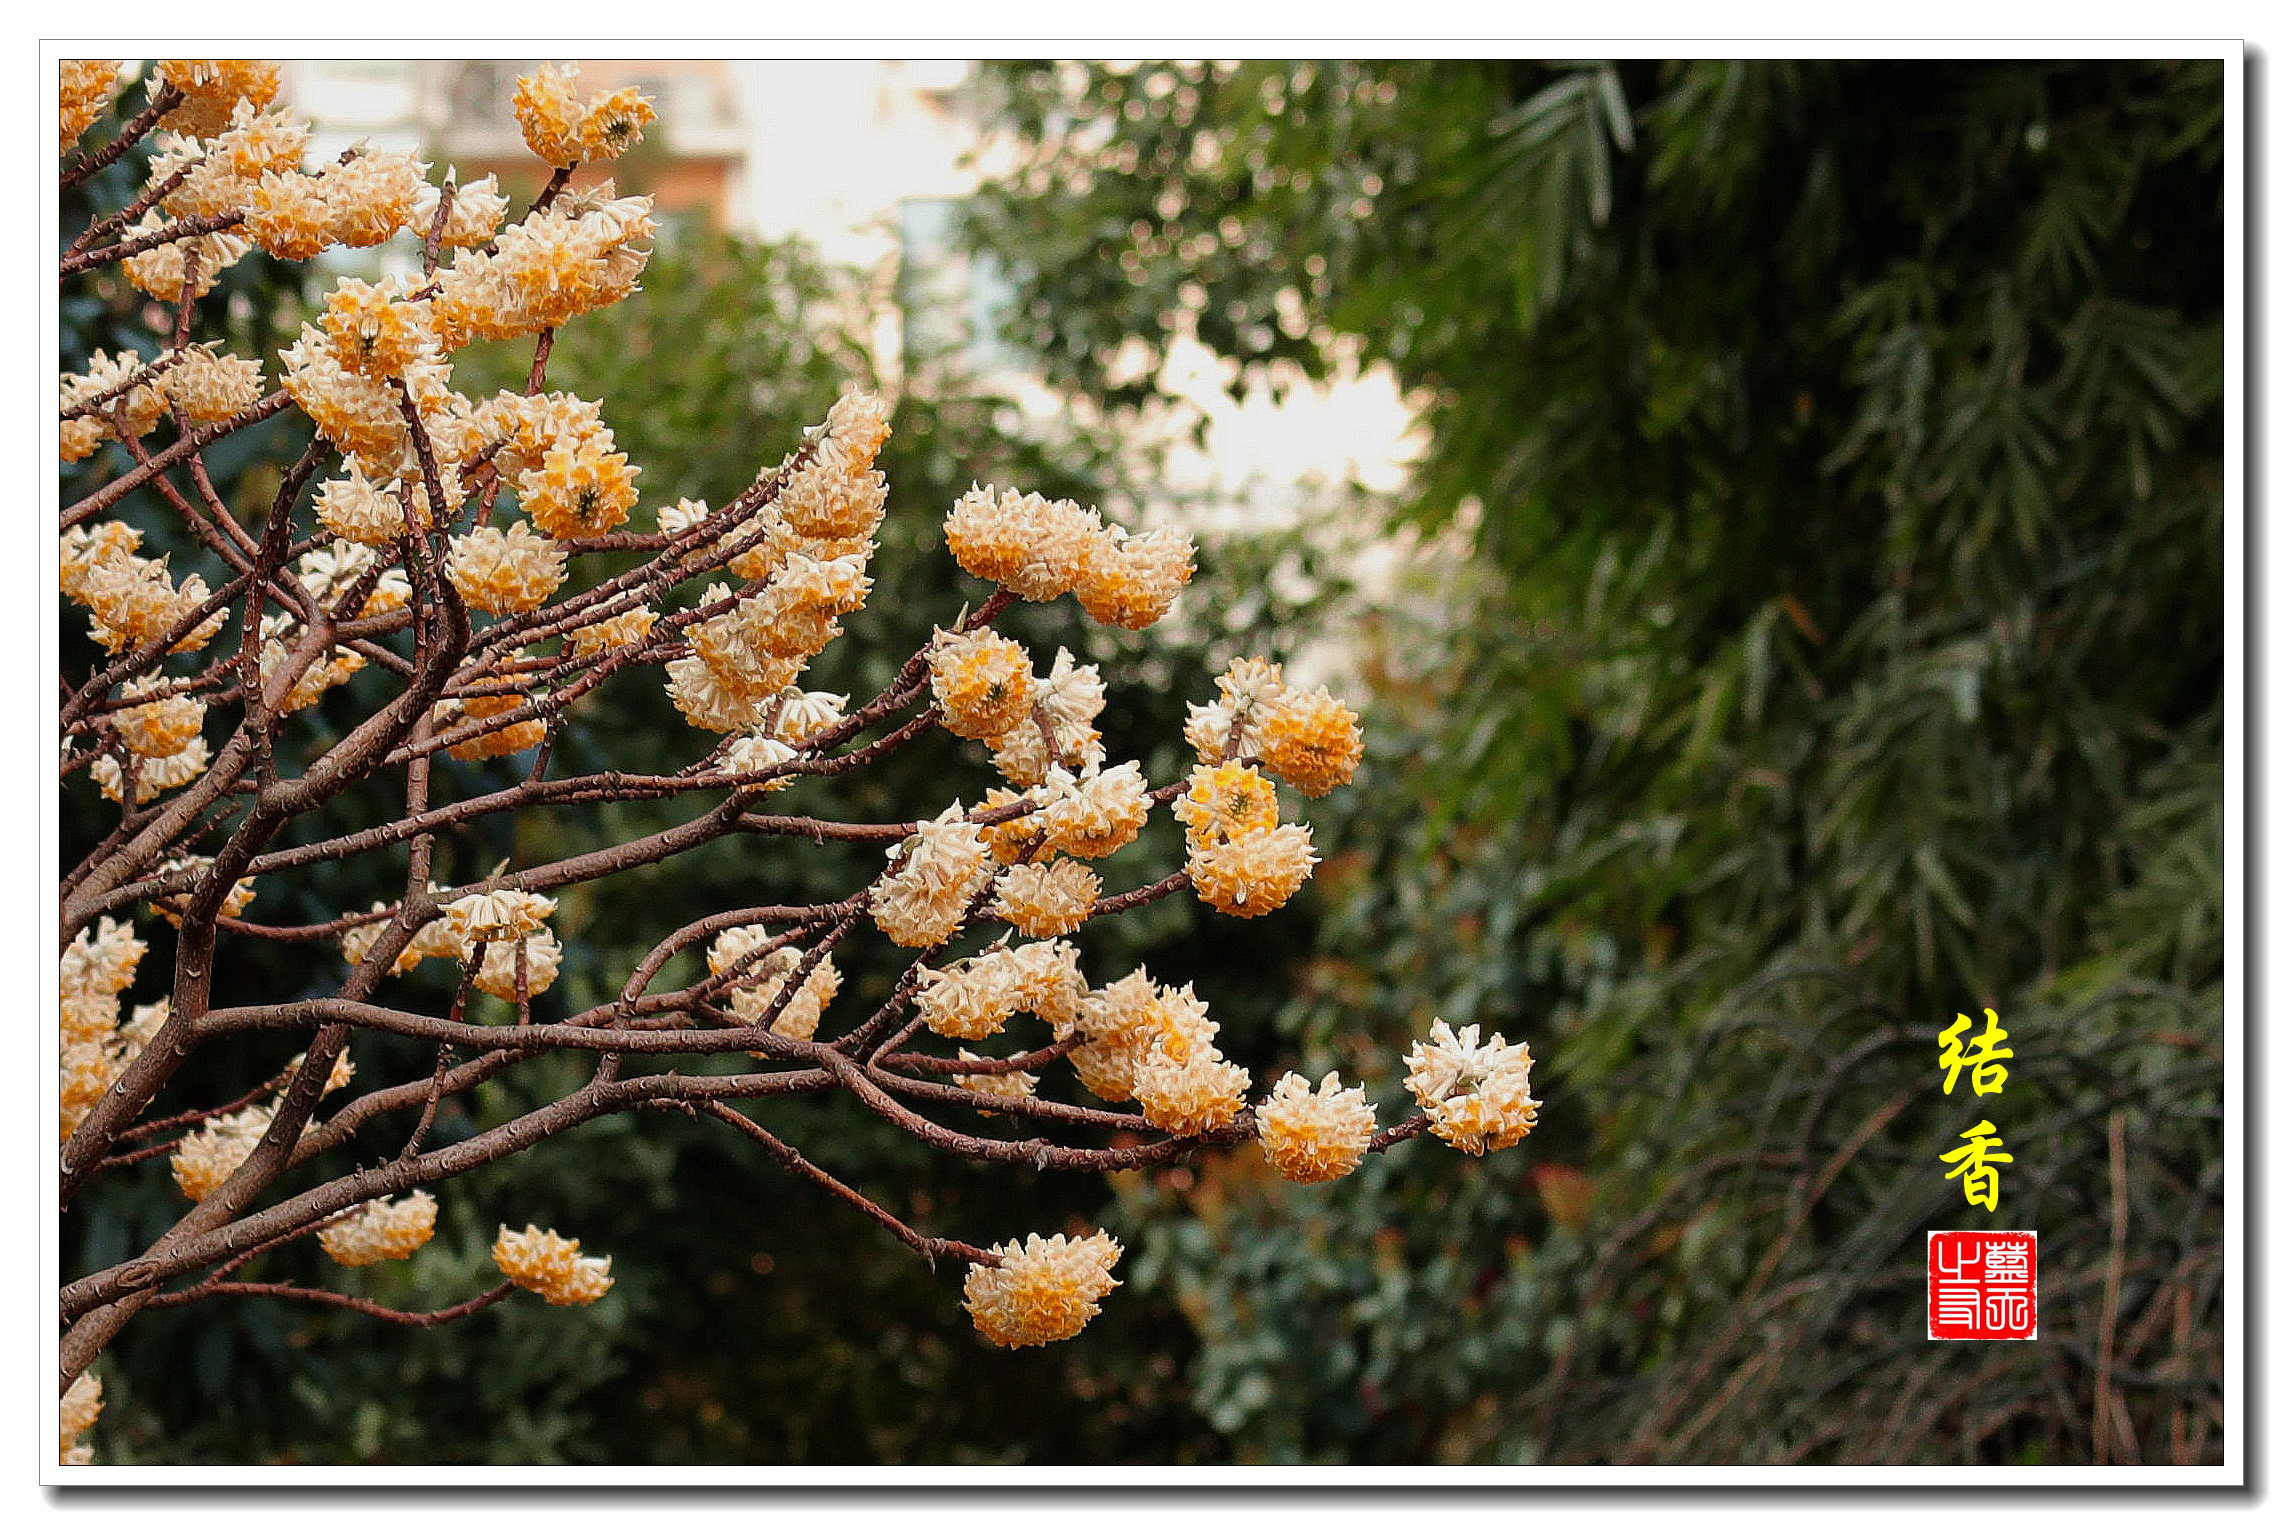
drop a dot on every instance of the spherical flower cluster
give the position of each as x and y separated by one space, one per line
1046 899
543 1261
1130 581
186 268
575 257
212 89
82 1402
87 87
753 753
369 199
563 129
1009 1085
1225 801
1476 1094
209 386
207 1158
288 215
1310 740
171 907
761 982
492 741
497 915
1252 874
1132 1020
923 898
360 414
331 572
1190 1094
1029 545
974 997
506 571
153 775
384 1230
1094 815
217 177
131 600
1042 1290
434 939
1227 729
82 548
328 669
982 681
1314 1135
579 489
833 494
620 630
101 959
477 208
799 714
540 954
138 407
374 330
161 726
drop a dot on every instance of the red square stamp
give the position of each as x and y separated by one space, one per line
1981 1284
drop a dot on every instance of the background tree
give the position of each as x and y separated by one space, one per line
1837 447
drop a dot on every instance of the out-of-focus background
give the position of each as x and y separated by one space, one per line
1770 515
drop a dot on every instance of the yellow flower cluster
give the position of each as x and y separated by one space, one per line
542 1261
1476 1094
162 725
1309 739
764 979
1094 814
331 572
563 129
1316 1135
87 86
335 666
578 255
219 174
974 997
170 908
207 1158
748 653
1012 1085
541 955
1154 1045
1068 698
96 967
1046 899
1252 873
932 876
505 571
1040 549
982 681
374 330
82 1402
384 1230
213 88
1041 1290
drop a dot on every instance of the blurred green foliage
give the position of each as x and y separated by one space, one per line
1812 631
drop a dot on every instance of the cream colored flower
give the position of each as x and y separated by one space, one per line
1476 1094
543 1261
207 1158
508 571
1041 1290
1047 899
542 956
384 1230
982 682
1317 1135
932 876
1310 740
82 1402
1253 874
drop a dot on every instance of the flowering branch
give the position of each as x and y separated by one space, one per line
408 578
